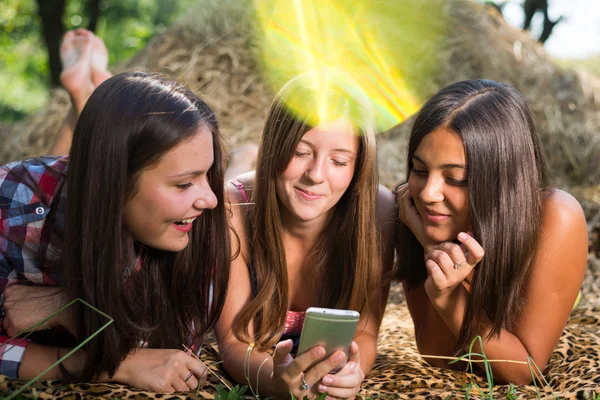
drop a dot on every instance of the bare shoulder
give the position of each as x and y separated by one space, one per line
233 192
561 211
238 212
387 208
564 232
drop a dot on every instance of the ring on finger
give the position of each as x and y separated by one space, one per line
458 265
187 378
304 386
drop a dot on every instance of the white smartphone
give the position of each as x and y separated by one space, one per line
331 328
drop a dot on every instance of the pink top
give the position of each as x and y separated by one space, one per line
293 323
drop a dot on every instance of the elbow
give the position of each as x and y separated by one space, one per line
517 376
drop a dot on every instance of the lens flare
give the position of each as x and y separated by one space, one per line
388 48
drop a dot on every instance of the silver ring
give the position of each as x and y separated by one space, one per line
187 378
304 386
457 266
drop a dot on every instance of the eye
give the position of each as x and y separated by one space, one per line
418 172
457 182
340 163
300 153
184 186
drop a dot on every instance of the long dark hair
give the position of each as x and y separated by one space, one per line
506 179
129 122
346 259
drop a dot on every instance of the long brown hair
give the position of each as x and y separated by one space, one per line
129 122
347 258
506 177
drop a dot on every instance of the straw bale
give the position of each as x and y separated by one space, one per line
211 50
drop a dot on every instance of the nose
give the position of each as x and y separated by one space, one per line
206 198
315 172
432 192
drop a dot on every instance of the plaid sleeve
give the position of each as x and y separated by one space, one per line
11 354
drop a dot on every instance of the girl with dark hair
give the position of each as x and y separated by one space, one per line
486 248
307 224
132 222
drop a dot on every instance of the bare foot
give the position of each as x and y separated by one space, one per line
76 77
99 61
241 159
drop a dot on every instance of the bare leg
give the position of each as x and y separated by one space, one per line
84 59
241 159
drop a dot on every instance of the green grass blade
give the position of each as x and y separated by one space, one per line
78 347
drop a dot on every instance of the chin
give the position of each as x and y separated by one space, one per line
173 246
438 236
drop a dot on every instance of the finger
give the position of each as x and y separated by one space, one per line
316 373
443 260
180 386
305 360
456 254
348 369
283 361
354 353
340 392
196 367
475 251
435 272
192 382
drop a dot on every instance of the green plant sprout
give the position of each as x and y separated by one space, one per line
32 328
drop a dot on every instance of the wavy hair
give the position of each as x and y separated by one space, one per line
506 179
130 121
346 259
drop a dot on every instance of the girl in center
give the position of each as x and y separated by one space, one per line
309 233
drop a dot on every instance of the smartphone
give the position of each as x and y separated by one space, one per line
331 328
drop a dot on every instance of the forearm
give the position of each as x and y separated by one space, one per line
235 362
367 344
38 358
506 346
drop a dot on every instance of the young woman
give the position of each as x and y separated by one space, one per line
486 248
132 222
307 225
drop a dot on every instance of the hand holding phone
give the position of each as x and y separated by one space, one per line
331 328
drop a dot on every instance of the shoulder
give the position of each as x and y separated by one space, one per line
238 211
562 212
387 208
31 180
564 231
236 186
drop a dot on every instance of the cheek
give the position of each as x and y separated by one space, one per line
414 186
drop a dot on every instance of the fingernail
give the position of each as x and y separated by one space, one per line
463 236
352 365
327 380
320 352
323 388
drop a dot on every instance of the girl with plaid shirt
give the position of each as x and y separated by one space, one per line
133 223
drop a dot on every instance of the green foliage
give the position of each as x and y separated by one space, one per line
124 25
236 393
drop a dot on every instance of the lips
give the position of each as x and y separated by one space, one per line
307 195
434 216
184 225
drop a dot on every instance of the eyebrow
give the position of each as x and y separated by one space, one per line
443 166
342 150
187 174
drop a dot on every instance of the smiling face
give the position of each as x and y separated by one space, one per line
171 194
438 185
319 172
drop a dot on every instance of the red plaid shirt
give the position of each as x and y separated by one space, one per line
32 192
